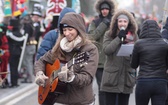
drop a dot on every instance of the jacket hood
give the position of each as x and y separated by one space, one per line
63 12
110 2
150 29
132 22
74 20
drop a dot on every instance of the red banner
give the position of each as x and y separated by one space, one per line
54 7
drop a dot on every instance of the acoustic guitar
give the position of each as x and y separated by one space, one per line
53 86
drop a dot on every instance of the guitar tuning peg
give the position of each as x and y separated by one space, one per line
81 65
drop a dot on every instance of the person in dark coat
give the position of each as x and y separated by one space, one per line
96 30
150 54
15 39
37 18
165 35
165 30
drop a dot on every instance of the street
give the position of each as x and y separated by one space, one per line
26 94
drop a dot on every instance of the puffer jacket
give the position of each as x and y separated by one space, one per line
98 27
118 76
79 91
150 52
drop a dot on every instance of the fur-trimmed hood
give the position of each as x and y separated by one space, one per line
132 22
110 2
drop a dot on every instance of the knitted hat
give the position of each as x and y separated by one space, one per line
104 6
64 26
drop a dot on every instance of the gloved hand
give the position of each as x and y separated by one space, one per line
62 75
122 34
106 21
40 78
66 75
71 75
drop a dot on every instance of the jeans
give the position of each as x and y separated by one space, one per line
101 94
117 98
156 90
167 96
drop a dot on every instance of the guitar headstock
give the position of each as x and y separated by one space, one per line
81 58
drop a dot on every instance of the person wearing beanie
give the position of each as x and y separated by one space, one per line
165 35
118 78
152 77
78 57
50 37
96 30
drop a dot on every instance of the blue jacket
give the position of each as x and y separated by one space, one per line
50 38
165 30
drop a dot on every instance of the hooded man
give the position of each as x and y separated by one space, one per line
97 29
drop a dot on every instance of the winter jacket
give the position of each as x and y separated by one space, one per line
165 30
51 37
79 91
4 55
118 76
15 43
150 52
99 26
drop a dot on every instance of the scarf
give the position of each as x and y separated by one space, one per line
69 46
130 38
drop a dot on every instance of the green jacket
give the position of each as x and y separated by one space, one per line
97 28
118 76
97 33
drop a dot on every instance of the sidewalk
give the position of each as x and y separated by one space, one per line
9 93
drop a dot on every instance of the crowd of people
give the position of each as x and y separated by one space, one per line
19 43
100 40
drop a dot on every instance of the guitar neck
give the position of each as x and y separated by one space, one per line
71 62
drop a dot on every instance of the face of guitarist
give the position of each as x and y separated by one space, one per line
70 33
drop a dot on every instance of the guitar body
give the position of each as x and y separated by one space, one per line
52 87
